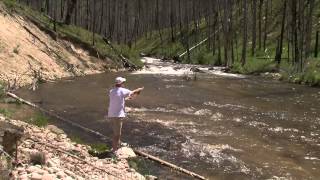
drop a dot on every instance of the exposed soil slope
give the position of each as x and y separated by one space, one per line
24 49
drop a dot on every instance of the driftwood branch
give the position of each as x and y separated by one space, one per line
106 138
169 164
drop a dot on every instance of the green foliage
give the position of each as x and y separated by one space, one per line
6 112
310 75
84 36
76 139
254 66
39 120
99 147
201 56
2 89
10 4
140 165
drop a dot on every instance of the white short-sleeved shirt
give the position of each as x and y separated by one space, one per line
117 97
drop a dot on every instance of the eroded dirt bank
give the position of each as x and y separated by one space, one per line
27 53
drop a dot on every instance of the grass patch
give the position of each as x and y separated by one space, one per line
10 4
309 76
39 120
254 66
76 139
140 165
6 112
95 147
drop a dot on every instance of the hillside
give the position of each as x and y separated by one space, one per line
27 53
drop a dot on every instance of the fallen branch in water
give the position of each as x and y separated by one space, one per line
106 138
148 156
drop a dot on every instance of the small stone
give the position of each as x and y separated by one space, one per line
151 177
36 176
23 176
42 172
67 178
32 169
48 177
20 169
60 174
70 173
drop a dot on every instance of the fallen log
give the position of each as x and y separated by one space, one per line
148 156
103 137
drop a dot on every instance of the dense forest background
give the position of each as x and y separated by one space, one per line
247 36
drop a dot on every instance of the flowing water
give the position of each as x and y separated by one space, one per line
222 126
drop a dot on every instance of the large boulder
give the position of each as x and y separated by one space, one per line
125 152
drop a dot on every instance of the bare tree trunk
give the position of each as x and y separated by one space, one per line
93 22
254 25
260 21
265 26
280 41
316 45
309 28
245 34
70 8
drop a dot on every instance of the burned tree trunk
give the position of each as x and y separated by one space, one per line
70 9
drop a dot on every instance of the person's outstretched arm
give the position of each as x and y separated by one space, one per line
134 93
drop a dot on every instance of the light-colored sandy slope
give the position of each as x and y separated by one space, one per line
18 49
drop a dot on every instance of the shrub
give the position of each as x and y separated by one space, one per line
140 165
38 158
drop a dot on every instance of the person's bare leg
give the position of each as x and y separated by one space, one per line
115 142
117 126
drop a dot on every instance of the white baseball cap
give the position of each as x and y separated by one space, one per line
120 80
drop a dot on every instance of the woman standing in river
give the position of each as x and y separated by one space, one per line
116 111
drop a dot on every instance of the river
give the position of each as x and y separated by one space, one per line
222 126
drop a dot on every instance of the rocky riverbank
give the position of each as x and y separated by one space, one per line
47 153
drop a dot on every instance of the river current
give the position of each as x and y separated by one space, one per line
222 126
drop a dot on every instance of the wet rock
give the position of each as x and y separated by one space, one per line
195 69
275 76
